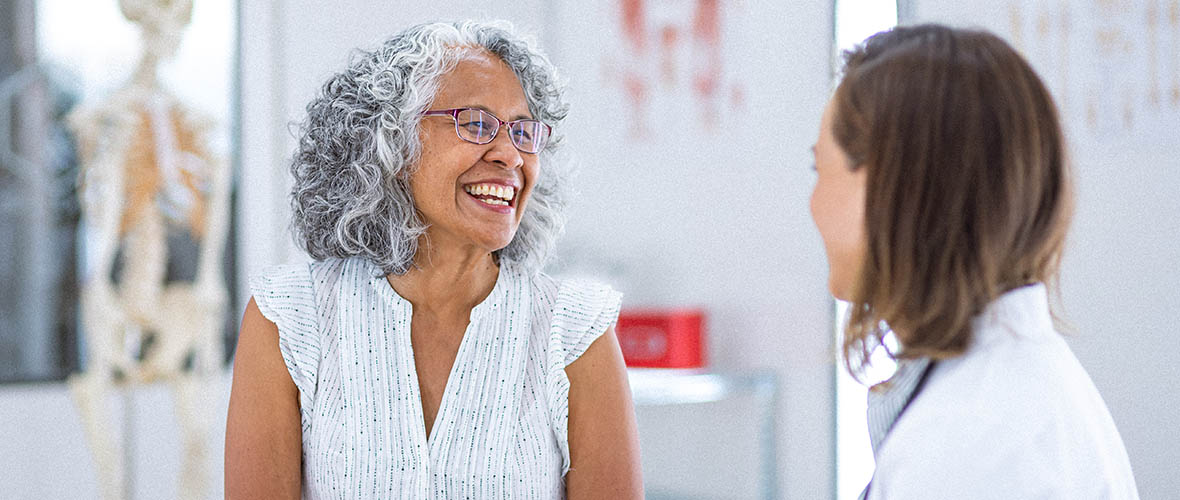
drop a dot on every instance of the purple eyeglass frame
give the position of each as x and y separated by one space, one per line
454 114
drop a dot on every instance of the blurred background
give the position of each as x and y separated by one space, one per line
690 133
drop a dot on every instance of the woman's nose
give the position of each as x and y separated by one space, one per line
502 152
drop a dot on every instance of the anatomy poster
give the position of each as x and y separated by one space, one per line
1112 65
672 67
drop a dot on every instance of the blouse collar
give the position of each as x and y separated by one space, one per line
386 291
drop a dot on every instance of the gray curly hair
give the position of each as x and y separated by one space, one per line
360 142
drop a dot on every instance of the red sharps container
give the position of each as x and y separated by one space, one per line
662 338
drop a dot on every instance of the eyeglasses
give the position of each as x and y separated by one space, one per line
480 127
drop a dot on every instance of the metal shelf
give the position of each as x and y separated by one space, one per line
653 387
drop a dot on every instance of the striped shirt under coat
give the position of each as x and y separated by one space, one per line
501 429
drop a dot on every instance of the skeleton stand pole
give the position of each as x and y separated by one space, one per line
128 441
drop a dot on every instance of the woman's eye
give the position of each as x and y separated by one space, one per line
476 127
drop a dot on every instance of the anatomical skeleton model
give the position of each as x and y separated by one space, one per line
145 169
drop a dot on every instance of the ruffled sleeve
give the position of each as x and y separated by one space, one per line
581 313
285 296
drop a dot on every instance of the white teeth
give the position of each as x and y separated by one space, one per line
505 193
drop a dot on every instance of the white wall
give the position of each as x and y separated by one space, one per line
1120 280
716 218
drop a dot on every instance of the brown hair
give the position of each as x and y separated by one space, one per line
967 191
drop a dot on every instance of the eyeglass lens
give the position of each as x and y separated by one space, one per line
480 127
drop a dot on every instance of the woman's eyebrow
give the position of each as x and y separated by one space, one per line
520 116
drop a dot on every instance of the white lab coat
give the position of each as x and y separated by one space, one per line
1014 417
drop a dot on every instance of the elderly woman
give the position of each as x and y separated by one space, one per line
423 354
943 200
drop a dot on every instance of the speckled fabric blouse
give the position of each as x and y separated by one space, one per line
501 429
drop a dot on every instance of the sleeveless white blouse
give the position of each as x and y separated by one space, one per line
501 428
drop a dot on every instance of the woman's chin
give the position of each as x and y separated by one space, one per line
838 290
497 243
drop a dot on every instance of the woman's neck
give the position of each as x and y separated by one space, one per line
447 279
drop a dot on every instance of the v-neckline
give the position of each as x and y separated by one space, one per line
409 362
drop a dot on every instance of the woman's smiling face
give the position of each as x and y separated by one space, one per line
474 194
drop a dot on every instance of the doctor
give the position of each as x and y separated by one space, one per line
943 199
